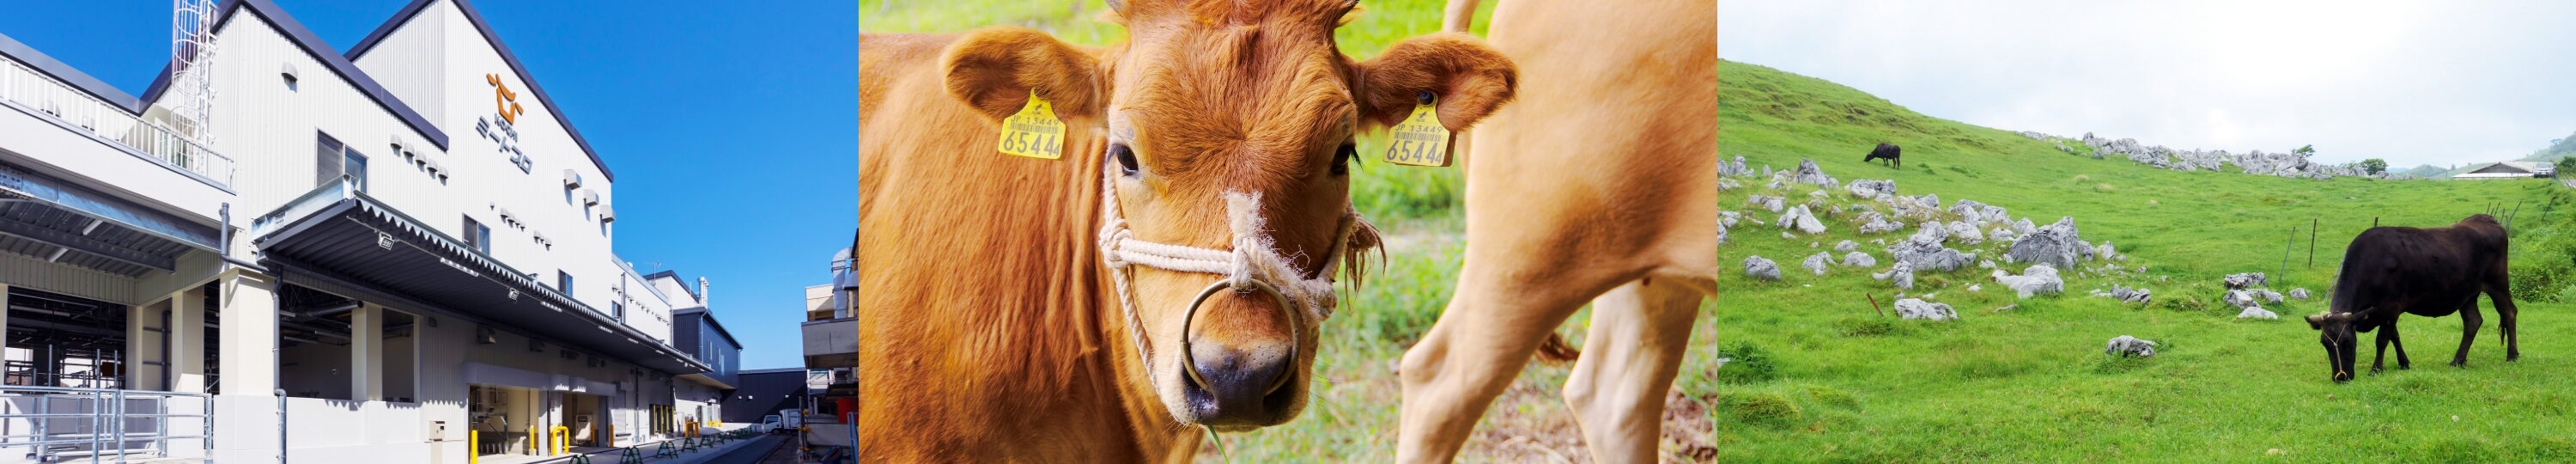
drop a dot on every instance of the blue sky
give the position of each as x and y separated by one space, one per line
2408 81
750 181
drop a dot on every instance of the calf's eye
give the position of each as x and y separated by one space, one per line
1343 157
1126 159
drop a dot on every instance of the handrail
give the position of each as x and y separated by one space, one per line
101 423
43 94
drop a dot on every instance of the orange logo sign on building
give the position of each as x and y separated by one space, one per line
506 100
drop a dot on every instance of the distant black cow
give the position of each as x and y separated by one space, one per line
1885 151
2426 272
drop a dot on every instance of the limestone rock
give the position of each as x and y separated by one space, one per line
2130 346
1910 308
1846 246
1874 223
2056 245
1799 219
1901 275
1817 263
2299 293
1923 251
1870 188
2257 312
2036 279
2246 280
1759 268
1859 259
1809 173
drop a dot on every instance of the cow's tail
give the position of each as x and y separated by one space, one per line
1555 350
1459 16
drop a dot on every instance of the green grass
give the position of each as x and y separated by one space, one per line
1844 384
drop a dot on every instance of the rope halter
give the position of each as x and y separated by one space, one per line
1253 265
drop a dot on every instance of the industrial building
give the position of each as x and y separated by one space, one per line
401 252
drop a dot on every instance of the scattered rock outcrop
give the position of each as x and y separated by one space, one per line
1910 308
1859 259
1870 189
1800 219
2056 245
1756 267
2130 346
1924 251
2139 295
1901 275
2037 279
2245 280
2292 165
1817 263
1809 173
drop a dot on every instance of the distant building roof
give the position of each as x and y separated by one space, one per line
675 277
2509 169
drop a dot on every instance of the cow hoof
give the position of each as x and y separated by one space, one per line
2405 367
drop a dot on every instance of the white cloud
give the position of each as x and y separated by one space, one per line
2411 82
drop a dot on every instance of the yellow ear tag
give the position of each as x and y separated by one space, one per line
1420 140
1034 132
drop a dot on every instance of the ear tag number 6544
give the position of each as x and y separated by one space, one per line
1420 140
1034 132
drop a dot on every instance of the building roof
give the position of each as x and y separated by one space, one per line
675 277
710 319
2507 169
312 45
475 17
294 31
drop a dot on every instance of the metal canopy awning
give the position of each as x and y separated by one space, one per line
354 239
48 218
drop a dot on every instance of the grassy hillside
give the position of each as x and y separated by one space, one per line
2029 384
2557 149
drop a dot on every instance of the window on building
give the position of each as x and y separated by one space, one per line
333 160
617 309
477 236
563 282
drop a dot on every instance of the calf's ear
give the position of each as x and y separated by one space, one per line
995 69
1468 79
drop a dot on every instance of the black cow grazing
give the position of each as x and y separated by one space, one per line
2426 272
1885 151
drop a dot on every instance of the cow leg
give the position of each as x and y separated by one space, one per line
2400 342
2386 335
2469 322
1472 353
1639 334
2506 314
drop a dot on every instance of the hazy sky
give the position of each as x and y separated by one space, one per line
2411 82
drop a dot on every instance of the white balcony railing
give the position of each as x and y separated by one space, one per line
33 90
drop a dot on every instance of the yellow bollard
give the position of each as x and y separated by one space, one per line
473 446
533 445
561 436
608 433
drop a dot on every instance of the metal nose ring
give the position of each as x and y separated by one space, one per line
1189 362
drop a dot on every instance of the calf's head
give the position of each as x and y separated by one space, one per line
1229 125
2335 332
